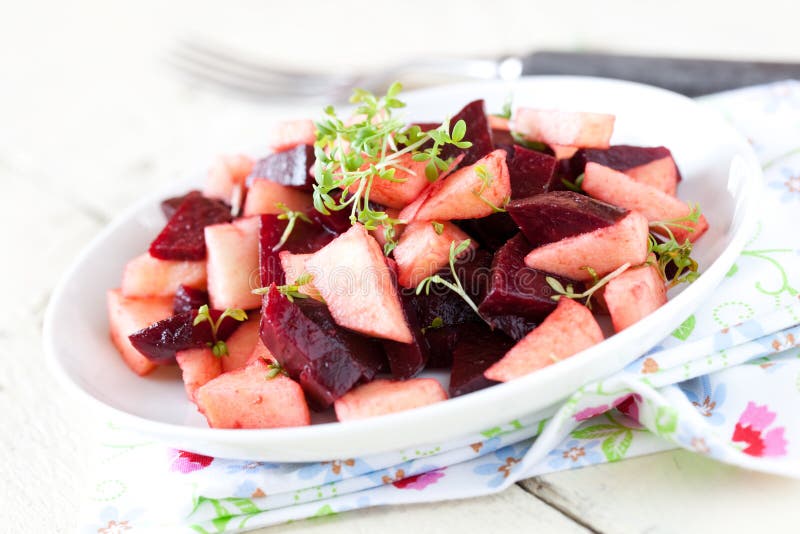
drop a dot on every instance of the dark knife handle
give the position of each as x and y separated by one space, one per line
691 77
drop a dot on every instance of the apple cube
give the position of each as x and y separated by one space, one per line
198 366
145 276
289 134
399 194
233 264
264 196
498 123
241 345
571 128
604 250
246 398
464 194
294 265
653 166
382 397
570 329
227 176
563 151
127 316
352 276
617 188
633 295
260 352
422 251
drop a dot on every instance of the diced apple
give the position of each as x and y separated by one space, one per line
227 176
648 165
604 250
247 398
264 196
198 366
294 265
571 128
382 397
563 151
570 329
241 344
145 276
126 316
401 193
233 264
379 233
352 276
465 195
289 134
498 123
616 188
633 295
422 251
260 352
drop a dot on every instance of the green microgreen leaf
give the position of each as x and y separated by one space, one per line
275 369
569 292
437 227
292 291
436 323
291 216
456 287
505 112
576 186
486 179
668 250
218 347
530 145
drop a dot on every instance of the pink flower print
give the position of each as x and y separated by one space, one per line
419 482
629 405
187 462
588 413
750 430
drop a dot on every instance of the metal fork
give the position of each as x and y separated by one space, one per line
215 64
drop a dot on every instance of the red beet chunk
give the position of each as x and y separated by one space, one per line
513 326
407 359
444 304
188 299
532 173
305 238
490 232
170 206
517 290
478 133
618 157
557 215
475 352
503 139
183 238
291 168
161 340
325 359
441 342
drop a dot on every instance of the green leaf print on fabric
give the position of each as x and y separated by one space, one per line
666 420
732 271
685 329
615 446
766 255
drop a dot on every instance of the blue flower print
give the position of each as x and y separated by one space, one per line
575 453
501 465
334 470
707 402
788 184
234 467
246 489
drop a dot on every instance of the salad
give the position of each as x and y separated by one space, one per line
363 250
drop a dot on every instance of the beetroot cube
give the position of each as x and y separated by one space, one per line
491 232
304 239
478 133
475 352
503 139
532 173
653 166
407 359
183 237
290 167
513 326
188 299
170 205
325 359
557 215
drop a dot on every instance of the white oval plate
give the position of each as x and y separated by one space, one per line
720 172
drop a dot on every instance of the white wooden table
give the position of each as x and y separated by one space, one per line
90 120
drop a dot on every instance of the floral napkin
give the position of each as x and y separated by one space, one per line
725 384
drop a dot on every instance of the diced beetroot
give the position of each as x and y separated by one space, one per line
408 359
576 129
145 276
442 341
226 178
517 290
335 222
182 237
241 344
246 398
170 205
604 250
503 139
444 304
478 133
260 352
326 360
353 278
305 238
188 299
233 264
198 366
264 196
422 251
653 166
617 188
563 152
399 194
567 331
633 295
513 326
126 316
532 173
383 397
160 340
557 215
291 168
474 353
294 265
289 134
464 195
491 232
